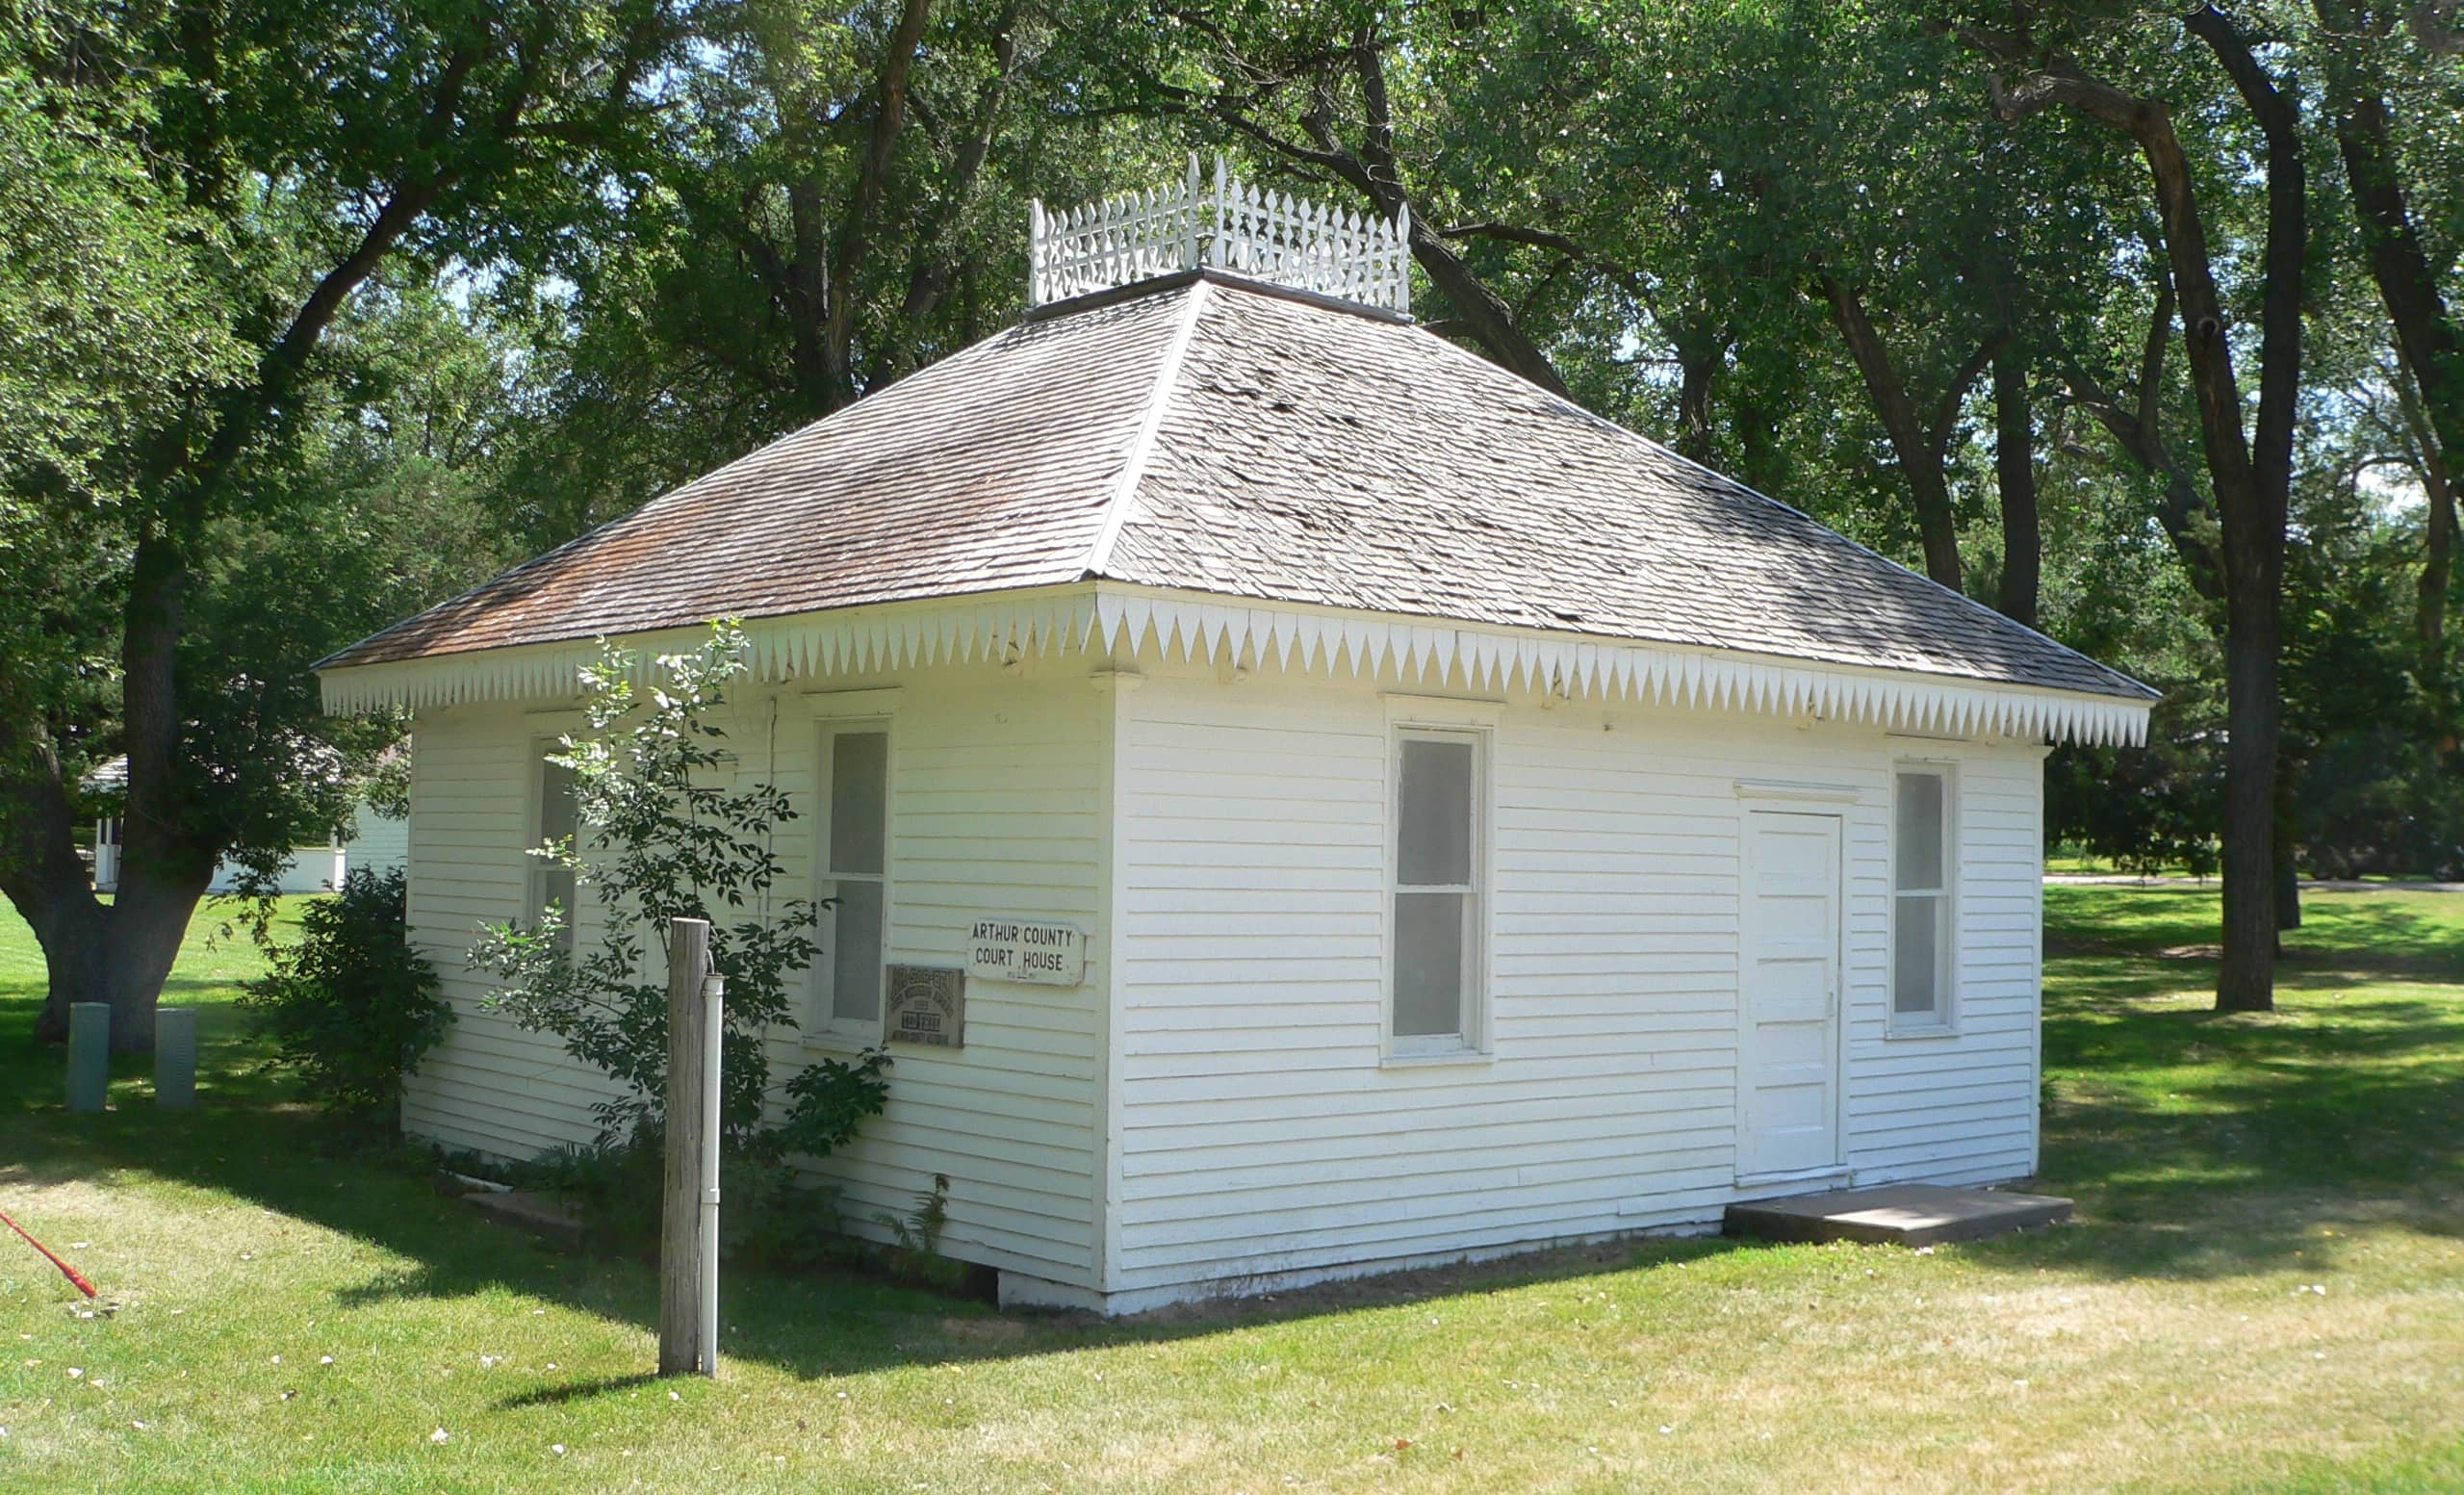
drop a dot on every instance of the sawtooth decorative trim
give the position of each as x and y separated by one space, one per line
1130 625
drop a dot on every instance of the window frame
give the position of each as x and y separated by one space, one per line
822 1026
1942 1021
535 869
1473 723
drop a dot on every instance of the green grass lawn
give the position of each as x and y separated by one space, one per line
2265 1291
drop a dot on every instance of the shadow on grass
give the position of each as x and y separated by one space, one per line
249 1140
2391 934
2207 1145
2199 1146
580 1390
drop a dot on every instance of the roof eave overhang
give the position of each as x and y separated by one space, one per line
1130 623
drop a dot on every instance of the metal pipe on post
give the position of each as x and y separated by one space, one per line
691 1096
714 990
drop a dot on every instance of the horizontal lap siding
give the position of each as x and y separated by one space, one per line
996 785
996 797
1962 1108
487 1085
1260 1132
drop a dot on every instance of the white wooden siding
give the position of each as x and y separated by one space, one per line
996 808
489 1086
376 844
1213 1108
1259 1132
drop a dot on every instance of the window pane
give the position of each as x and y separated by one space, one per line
557 822
1435 814
555 802
1915 963
856 965
1429 964
1920 829
859 794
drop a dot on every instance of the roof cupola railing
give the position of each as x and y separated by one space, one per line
1234 226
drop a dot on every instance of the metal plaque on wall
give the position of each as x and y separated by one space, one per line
927 1005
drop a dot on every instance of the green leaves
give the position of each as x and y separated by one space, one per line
349 1008
669 830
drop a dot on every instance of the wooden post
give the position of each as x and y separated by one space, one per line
680 1238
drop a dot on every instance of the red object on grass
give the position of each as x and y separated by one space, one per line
75 1276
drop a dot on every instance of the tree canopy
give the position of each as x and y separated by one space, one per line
2145 327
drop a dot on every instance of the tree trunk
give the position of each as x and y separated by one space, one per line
73 934
1374 171
2438 536
1920 458
2250 476
40 872
2438 559
1482 311
93 951
857 224
2427 333
2430 345
2014 468
2246 982
935 262
2254 506
2184 514
1697 365
118 954
1758 441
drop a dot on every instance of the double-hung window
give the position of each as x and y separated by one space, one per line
1436 906
1923 871
855 876
554 823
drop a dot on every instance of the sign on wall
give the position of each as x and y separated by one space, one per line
927 1005
1036 951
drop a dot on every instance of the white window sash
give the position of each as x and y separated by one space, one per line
1940 1018
1469 1037
824 1025
538 875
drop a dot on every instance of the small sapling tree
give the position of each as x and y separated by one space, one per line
668 838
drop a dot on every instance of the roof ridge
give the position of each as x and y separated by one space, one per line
1141 443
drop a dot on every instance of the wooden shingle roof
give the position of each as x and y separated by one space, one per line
1205 435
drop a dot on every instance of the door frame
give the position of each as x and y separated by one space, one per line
1760 800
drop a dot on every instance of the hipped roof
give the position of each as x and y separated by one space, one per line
1206 434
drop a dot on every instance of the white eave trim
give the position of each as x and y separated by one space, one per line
1132 624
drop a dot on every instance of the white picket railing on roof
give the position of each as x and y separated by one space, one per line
1248 230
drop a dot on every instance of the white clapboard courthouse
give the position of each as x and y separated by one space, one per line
1298 799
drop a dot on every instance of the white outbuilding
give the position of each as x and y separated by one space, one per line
1299 799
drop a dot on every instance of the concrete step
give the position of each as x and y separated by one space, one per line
1909 1214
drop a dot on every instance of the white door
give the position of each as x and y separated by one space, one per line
1788 1058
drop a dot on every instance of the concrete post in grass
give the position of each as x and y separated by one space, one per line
90 1054
175 1057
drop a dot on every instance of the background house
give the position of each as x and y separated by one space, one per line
1351 806
376 842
